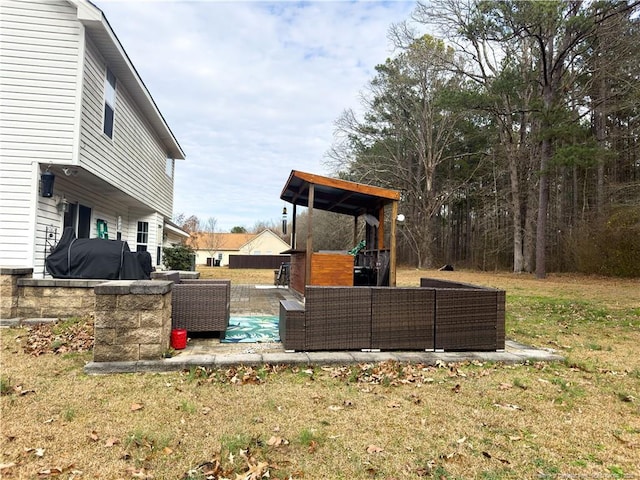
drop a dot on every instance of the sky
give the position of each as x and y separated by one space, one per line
252 90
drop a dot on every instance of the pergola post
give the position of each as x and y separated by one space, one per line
307 273
381 228
355 230
392 247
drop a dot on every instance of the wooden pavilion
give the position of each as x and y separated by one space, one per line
372 262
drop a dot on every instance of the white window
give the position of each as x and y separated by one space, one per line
143 236
109 103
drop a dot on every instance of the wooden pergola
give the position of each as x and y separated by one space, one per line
346 198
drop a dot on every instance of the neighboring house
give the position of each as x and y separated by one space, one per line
210 247
72 105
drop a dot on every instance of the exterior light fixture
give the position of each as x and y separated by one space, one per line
284 220
46 183
63 205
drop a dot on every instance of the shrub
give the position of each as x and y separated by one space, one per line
181 257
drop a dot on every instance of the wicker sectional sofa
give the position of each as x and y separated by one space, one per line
438 315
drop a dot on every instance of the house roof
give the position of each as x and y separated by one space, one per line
172 227
101 33
335 195
226 241
219 241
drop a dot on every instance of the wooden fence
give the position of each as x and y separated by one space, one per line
272 262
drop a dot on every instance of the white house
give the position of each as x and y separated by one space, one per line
219 246
72 105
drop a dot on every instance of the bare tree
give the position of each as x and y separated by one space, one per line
406 135
208 237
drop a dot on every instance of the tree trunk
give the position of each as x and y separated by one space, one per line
543 208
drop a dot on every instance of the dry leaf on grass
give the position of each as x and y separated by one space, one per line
49 338
277 441
139 473
501 460
507 406
374 449
111 442
313 446
136 406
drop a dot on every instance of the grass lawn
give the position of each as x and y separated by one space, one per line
577 419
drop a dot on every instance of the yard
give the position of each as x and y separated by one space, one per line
578 419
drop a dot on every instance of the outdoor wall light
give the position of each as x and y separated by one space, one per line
70 172
46 183
63 205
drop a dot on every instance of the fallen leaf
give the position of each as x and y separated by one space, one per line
277 441
456 389
334 408
257 471
505 386
393 405
47 472
374 449
21 391
136 406
93 436
313 446
139 473
502 460
111 442
5 466
507 406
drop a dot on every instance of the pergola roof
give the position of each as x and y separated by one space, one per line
335 195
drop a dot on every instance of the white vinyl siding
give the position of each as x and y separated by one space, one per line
39 54
52 79
134 161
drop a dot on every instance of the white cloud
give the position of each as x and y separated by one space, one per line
251 89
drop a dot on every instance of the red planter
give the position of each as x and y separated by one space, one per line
178 338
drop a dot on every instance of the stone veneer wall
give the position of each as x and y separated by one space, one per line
132 320
9 277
